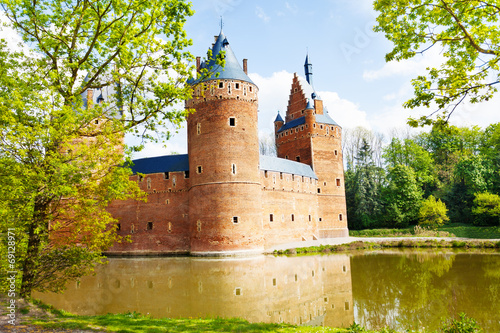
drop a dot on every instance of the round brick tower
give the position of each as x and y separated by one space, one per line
225 194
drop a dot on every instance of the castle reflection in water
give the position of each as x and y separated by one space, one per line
312 290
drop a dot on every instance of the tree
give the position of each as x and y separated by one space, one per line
363 187
402 197
61 148
409 153
468 36
433 212
486 209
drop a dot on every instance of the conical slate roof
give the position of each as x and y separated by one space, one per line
232 68
278 118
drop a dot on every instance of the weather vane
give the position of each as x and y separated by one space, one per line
221 24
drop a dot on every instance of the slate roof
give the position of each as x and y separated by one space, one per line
167 163
232 68
278 118
325 119
272 163
292 124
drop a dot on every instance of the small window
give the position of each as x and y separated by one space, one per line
338 181
265 173
340 217
148 183
310 218
321 126
320 219
221 84
237 291
274 282
286 157
199 169
237 86
235 220
232 121
167 202
336 152
97 121
346 306
118 227
186 174
141 178
169 227
314 125
297 158
198 128
166 175
150 226
293 217
233 169
319 190
250 88
271 217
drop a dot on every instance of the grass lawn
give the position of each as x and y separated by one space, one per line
453 230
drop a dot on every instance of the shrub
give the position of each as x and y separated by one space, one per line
433 213
486 210
462 325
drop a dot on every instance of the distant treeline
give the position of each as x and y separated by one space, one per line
449 174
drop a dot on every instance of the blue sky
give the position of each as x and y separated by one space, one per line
349 70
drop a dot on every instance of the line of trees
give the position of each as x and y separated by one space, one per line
449 174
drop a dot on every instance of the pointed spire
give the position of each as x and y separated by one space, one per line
278 118
309 105
308 70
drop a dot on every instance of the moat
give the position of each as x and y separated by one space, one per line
402 289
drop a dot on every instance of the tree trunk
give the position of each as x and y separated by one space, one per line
33 249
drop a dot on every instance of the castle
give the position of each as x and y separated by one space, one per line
223 198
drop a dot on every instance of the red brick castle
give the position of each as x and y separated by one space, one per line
223 198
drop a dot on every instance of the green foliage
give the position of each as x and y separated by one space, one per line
433 212
407 152
486 209
467 36
61 157
363 190
402 197
462 325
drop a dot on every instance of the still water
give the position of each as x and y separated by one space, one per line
400 289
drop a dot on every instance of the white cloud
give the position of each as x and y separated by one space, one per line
409 67
292 8
14 41
262 14
346 113
273 96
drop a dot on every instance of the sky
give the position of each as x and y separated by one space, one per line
349 70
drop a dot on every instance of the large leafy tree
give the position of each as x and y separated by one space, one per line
402 197
61 154
407 152
363 186
467 34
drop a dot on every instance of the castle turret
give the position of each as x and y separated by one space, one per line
311 136
225 196
278 122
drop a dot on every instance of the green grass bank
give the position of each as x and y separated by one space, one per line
452 230
47 318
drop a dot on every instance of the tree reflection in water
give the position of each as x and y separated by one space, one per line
416 290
